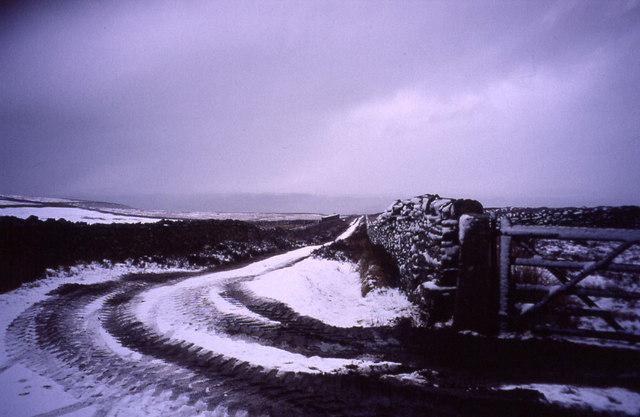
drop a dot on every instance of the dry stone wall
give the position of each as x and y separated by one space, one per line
625 217
421 234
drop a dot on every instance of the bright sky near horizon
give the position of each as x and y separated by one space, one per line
520 102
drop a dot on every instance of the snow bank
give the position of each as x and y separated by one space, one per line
160 308
331 291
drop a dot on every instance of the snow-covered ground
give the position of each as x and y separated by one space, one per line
4 202
160 308
169 311
24 392
18 300
625 311
191 312
332 292
351 229
72 214
87 211
616 400
212 215
42 200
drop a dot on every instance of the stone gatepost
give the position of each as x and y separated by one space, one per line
476 304
421 235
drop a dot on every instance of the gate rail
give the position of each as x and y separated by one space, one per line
510 292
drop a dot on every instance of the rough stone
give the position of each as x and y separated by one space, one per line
421 234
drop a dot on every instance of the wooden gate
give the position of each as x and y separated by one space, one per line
541 292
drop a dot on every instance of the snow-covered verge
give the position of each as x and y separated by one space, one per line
331 291
29 246
614 400
326 290
351 229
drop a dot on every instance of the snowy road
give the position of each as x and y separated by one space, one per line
287 336
203 344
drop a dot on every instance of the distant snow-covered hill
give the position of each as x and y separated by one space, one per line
92 212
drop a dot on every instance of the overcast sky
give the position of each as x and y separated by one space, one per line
508 102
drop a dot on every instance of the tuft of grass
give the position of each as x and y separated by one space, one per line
536 276
532 275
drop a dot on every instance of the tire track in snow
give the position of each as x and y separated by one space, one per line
108 344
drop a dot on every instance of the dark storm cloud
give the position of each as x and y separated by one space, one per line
515 100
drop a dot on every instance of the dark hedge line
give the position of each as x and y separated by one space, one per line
28 247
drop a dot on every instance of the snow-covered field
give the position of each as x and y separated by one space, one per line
7 198
16 203
625 311
90 212
211 215
72 214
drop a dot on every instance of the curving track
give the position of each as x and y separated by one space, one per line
185 344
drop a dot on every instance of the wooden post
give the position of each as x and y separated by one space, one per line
476 299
